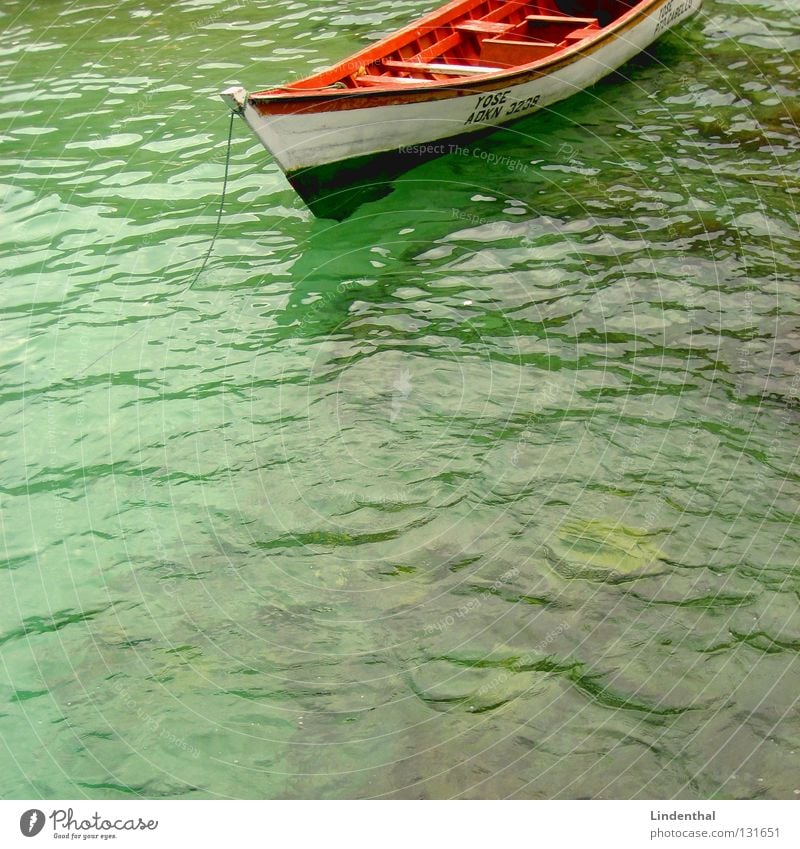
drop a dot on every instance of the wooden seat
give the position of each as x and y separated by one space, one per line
439 68
484 27
376 80
560 19
580 34
557 27
511 52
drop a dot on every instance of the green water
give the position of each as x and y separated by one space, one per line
490 490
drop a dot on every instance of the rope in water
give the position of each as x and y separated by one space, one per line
205 259
221 205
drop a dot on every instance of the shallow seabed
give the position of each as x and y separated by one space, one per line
488 491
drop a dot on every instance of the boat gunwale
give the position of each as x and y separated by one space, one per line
333 99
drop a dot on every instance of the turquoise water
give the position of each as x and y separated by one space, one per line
490 490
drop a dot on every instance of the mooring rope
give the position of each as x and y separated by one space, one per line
221 205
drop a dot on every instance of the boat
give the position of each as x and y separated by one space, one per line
466 68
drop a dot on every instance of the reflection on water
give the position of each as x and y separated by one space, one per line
489 490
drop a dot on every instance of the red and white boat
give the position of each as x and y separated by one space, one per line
471 65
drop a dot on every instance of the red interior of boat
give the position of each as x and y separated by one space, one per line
468 38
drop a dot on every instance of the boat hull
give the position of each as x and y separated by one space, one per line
342 145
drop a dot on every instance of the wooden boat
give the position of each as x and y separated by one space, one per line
471 65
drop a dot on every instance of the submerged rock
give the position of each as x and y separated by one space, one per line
599 551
